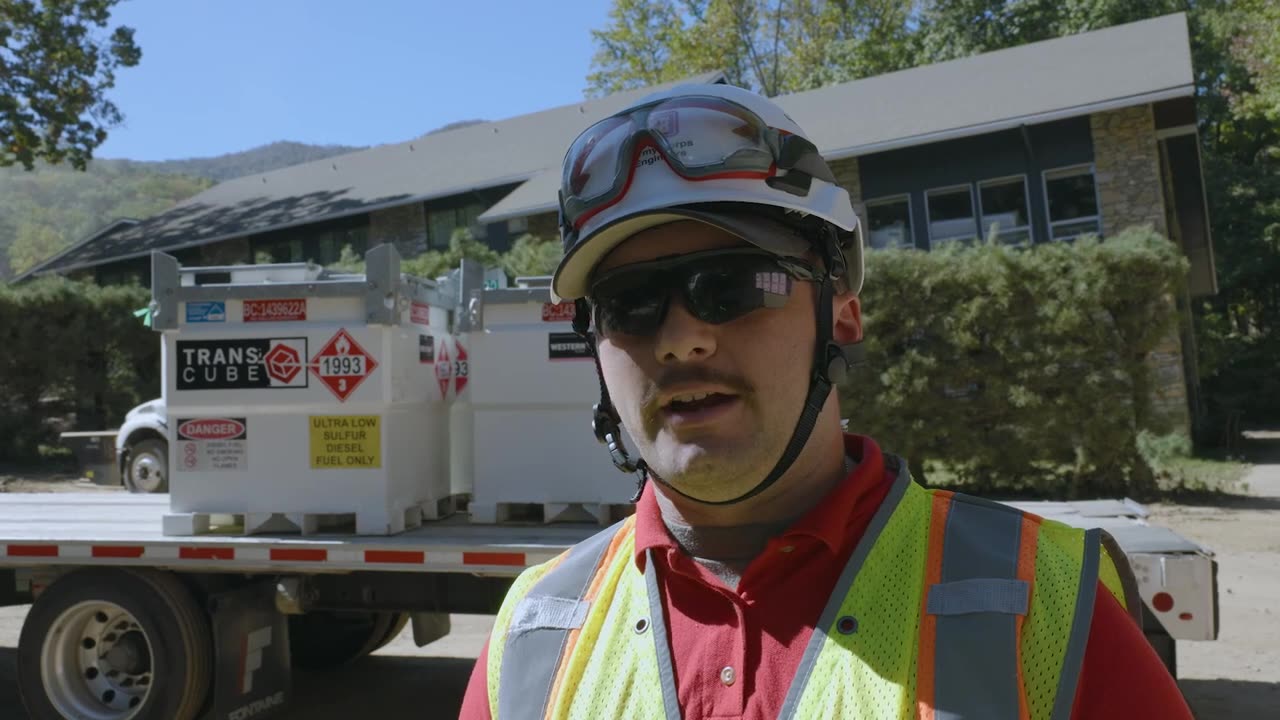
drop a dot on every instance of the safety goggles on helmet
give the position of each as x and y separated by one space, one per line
716 286
701 137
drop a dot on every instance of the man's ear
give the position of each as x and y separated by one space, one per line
846 314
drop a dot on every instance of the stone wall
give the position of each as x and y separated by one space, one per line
1127 162
405 226
1130 190
848 177
545 226
1170 411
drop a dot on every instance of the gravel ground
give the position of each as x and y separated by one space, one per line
1234 677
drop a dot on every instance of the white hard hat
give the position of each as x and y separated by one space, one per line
757 211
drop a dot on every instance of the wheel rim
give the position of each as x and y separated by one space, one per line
96 663
146 472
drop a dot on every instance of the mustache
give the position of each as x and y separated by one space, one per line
682 374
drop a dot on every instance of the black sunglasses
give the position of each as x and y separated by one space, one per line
717 286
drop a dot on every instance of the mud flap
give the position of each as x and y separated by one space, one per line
252 678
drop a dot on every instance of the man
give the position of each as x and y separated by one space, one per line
776 567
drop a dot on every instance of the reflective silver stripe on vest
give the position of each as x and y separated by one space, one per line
841 590
661 641
979 595
1080 624
541 625
976 652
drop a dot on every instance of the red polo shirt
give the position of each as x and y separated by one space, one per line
754 636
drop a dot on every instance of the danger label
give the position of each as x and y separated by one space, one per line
345 441
342 365
291 310
241 364
212 445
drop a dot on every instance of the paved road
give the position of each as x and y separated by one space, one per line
399 681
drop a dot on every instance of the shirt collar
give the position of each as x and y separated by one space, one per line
828 521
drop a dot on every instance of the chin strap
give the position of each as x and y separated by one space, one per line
831 363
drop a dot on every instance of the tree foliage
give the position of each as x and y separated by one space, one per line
772 47
57 61
47 210
529 255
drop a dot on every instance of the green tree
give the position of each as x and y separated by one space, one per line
34 242
635 49
771 46
959 28
531 255
56 64
1257 47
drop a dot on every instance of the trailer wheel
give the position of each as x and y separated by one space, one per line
324 640
147 470
108 644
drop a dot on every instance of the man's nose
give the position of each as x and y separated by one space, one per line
683 337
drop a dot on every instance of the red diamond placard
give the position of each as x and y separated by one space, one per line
460 371
342 364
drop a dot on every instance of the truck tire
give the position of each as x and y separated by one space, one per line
147 470
396 627
115 644
324 640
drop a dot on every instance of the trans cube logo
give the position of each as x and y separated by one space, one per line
283 363
241 364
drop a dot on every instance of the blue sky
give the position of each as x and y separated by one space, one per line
219 76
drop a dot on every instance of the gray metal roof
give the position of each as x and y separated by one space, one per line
437 165
1125 65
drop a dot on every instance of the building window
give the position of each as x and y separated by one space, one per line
1072 199
518 226
1003 204
331 243
950 213
442 222
280 251
889 223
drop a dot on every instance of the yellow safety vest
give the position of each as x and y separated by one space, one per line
949 607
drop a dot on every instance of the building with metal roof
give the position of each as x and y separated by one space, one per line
1081 134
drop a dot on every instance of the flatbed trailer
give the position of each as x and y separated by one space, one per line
132 623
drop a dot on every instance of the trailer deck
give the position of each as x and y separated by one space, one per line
125 529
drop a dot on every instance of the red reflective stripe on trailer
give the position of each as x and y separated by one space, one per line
117 551
206 553
395 556
299 555
33 551
492 558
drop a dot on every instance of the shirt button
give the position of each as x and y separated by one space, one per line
727 675
787 548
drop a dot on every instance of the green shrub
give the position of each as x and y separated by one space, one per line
75 357
1018 369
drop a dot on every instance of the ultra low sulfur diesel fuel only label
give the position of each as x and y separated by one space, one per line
346 442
